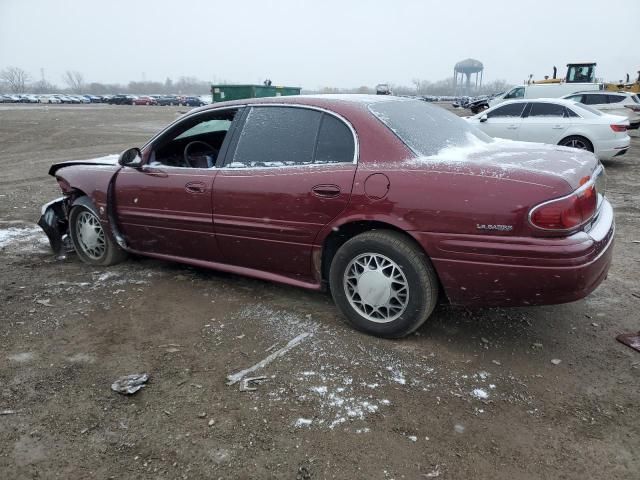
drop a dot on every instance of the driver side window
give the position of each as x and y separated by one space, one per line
195 142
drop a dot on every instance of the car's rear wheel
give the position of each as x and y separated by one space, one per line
92 242
383 283
576 141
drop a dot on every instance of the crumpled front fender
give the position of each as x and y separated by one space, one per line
55 224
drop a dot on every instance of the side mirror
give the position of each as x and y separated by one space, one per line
131 157
484 118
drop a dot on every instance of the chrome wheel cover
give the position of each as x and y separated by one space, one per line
376 287
90 235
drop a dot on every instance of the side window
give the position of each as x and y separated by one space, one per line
616 98
517 92
594 99
570 113
546 110
575 98
511 110
276 137
194 142
335 141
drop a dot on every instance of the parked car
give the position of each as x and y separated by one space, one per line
50 99
192 102
121 99
144 100
558 122
625 104
167 100
386 201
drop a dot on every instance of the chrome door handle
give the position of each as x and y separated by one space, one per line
195 187
557 127
326 191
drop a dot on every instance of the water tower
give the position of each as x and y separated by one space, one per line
462 73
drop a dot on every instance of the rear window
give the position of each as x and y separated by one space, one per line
616 98
424 128
589 109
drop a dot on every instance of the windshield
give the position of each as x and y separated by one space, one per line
424 128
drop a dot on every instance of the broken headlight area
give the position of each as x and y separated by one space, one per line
54 222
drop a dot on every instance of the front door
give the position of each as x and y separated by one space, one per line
289 173
165 206
504 121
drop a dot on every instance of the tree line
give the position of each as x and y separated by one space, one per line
17 80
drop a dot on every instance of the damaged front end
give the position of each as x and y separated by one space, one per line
54 222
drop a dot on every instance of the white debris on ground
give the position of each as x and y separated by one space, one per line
318 375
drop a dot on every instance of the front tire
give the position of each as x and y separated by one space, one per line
92 242
576 141
383 283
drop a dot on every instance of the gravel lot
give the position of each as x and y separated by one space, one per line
474 394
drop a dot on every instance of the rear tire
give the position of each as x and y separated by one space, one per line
576 141
92 242
383 283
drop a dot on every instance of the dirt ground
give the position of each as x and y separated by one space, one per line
473 394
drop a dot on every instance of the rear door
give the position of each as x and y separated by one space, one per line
288 173
545 122
504 121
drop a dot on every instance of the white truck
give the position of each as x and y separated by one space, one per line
580 78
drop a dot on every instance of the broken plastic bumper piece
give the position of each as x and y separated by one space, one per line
54 223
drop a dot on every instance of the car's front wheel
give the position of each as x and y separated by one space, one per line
383 283
92 242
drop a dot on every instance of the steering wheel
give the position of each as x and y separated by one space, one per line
187 160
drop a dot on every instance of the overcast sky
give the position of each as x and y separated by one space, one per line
315 43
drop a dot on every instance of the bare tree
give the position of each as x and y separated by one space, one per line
74 80
16 78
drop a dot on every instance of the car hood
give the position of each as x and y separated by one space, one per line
519 161
110 160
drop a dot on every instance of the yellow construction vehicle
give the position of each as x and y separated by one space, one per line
586 73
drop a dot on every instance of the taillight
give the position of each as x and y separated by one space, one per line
568 212
619 128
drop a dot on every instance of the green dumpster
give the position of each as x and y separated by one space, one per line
222 93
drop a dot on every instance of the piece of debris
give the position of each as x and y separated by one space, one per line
413 438
631 340
595 325
247 384
202 415
480 394
236 377
536 345
211 422
556 361
496 362
46 302
435 473
8 412
484 340
130 384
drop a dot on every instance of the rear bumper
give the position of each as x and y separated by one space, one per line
606 150
508 271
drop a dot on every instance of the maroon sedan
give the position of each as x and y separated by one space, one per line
144 100
388 202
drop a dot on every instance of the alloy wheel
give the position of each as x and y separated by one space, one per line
90 235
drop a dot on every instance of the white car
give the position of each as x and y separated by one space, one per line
559 122
49 99
625 104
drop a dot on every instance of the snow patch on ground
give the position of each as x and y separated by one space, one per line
25 239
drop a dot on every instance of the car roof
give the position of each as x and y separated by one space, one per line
560 101
359 101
